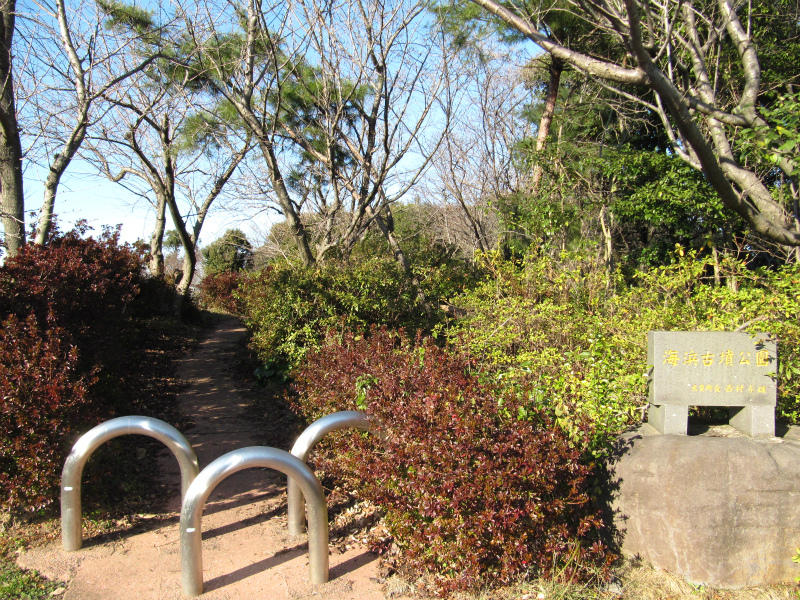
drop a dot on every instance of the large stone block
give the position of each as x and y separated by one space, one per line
721 511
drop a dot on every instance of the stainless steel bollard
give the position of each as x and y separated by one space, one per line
228 464
302 447
89 442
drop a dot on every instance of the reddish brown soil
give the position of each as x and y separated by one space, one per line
247 552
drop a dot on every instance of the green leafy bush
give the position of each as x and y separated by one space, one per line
288 308
473 494
230 253
532 327
754 300
571 339
440 266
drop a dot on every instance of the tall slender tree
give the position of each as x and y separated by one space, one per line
158 135
159 139
76 58
12 200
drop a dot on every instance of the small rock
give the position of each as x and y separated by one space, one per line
614 588
58 591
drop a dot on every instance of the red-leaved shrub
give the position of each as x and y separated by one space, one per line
42 397
83 285
216 291
66 340
473 494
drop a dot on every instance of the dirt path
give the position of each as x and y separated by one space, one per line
247 553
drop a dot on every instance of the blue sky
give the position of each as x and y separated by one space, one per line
86 195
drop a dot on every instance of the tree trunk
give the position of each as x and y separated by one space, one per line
299 232
12 201
606 225
188 243
386 225
157 240
183 284
556 68
57 169
63 158
12 205
265 144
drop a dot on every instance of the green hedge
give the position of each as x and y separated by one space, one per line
288 308
566 335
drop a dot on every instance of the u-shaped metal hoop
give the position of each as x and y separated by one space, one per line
228 464
71 537
301 449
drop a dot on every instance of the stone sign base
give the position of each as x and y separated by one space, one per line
754 420
720 511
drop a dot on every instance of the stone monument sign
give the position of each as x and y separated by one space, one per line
712 368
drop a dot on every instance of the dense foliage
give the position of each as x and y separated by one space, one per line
289 307
573 339
230 253
493 425
612 181
86 286
67 344
477 489
216 291
44 397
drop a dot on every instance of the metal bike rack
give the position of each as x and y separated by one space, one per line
89 442
228 464
301 449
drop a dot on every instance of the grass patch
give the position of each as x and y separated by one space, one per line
21 584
